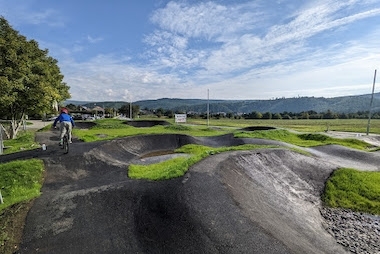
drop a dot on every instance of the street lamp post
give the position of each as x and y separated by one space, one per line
208 108
370 106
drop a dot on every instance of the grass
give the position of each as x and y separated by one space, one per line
20 183
303 125
353 189
178 166
108 129
304 139
24 141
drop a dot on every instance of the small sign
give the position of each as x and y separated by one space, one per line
180 118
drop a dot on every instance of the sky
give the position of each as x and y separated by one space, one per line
131 50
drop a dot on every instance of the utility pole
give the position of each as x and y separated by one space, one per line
130 109
208 108
370 106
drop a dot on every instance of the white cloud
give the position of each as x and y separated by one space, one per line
94 40
238 50
22 12
205 20
106 77
239 62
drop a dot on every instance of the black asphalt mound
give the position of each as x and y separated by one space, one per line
347 157
261 201
147 123
258 128
84 124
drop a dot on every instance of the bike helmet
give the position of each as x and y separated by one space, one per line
64 110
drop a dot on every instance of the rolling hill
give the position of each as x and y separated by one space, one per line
343 104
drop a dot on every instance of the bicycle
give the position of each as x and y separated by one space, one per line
65 143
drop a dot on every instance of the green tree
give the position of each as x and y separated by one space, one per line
267 115
305 115
159 112
277 116
330 115
72 107
30 80
126 108
257 115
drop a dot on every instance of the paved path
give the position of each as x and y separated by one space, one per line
37 124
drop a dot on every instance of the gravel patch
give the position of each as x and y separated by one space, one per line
358 232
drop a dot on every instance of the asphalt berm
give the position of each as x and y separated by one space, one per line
261 201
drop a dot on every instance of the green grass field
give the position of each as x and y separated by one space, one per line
107 129
355 190
302 125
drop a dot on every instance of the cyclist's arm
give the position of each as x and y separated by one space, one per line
56 120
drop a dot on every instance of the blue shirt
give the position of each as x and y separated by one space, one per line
63 117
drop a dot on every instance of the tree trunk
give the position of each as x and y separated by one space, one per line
15 127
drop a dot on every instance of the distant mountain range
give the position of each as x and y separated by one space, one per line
344 104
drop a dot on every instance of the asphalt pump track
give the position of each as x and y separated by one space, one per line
259 201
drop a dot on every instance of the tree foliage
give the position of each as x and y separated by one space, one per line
125 110
30 80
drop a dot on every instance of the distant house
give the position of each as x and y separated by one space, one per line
84 108
98 109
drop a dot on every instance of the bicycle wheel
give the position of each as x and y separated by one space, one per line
65 144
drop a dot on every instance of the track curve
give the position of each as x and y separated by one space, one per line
261 201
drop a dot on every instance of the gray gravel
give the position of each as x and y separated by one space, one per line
358 232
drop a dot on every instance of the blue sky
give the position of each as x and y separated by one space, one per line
148 49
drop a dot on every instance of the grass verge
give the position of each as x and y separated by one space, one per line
178 166
20 183
304 140
303 125
353 189
108 129
24 141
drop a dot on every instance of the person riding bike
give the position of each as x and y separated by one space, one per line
66 124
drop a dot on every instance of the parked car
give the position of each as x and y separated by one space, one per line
51 118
